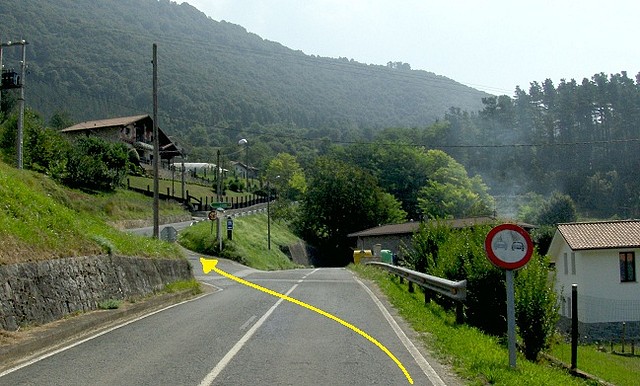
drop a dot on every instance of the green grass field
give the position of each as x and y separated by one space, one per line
617 369
249 245
195 190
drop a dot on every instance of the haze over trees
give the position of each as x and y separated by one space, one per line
580 139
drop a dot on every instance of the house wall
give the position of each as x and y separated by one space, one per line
602 297
240 171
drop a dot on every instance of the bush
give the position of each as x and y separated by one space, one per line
95 164
458 254
536 306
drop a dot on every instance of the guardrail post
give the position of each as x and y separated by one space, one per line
459 313
410 286
427 295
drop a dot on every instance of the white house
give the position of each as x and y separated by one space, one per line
600 257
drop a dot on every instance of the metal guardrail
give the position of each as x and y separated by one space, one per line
455 290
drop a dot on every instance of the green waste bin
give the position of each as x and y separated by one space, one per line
386 256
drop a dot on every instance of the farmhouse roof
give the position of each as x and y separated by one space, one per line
601 234
104 123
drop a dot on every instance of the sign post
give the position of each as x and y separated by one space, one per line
219 214
509 247
229 228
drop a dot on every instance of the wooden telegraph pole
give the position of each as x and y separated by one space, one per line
156 146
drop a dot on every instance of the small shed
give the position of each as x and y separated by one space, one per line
396 236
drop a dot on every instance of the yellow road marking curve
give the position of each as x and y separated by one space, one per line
209 265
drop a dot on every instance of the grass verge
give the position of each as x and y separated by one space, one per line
192 286
40 220
476 357
617 369
249 245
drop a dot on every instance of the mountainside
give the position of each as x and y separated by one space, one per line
92 59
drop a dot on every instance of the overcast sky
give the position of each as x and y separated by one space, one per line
492 45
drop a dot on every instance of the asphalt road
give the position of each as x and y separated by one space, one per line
240 335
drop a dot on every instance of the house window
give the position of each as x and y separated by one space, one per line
627 266
566 264
573 263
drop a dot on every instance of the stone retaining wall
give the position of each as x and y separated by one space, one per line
41 292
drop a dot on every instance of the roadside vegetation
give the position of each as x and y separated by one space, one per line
619 369
249 245
479 358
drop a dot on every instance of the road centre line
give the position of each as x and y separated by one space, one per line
415 353
299 280
208 380
248 322
209 265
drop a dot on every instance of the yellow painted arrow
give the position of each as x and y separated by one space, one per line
209 265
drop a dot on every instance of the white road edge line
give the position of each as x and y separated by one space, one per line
65 348
415 353
208 380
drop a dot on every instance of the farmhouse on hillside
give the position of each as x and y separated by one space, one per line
135 131
600 257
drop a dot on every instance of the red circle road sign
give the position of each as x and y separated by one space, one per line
508 246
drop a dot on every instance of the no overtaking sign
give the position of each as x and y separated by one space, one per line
508 246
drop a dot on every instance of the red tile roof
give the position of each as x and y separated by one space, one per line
602 234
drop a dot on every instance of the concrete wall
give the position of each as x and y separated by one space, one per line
41 292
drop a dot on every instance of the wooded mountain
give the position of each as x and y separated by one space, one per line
92 59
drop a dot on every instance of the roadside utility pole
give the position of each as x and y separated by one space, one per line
156 145
18 84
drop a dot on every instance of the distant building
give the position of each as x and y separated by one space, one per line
395 237
135 131
241 170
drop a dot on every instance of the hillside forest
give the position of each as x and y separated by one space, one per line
434 146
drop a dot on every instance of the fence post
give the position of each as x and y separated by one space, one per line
574 327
